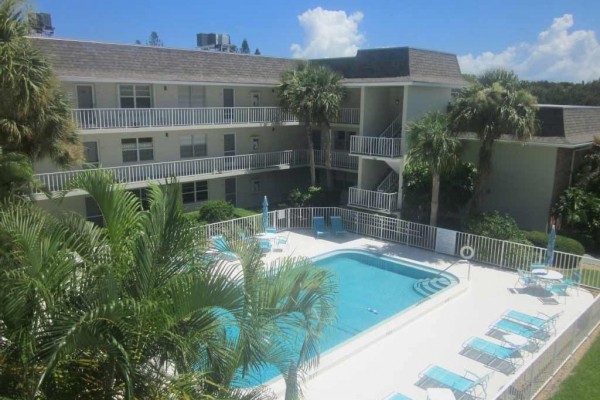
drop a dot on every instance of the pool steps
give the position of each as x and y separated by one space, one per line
429 286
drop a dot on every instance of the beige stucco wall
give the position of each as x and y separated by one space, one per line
106 95
521 182
375 114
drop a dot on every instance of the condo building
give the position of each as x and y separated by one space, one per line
211 121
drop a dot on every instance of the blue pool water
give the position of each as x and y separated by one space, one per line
371 289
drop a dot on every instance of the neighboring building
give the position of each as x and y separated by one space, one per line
41 24
212 120
214 42
528 176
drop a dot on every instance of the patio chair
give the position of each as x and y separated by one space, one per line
221 248
282 241
500 358
526 279
265 245
541 321
270 229
337 225
573 281
318 225
533 266
507 326
559 289
463 386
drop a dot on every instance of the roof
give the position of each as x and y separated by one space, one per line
562 125
75 59
398 64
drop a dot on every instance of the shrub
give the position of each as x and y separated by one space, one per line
496 225
563 243
215 211
298 198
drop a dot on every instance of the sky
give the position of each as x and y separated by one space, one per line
540 40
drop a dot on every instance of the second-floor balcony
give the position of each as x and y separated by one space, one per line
376 146
202 168
129 118
373 200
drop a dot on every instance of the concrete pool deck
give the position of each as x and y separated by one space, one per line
402 347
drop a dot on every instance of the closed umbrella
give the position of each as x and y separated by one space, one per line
550 248
265 213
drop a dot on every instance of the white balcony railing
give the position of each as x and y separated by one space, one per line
376 146
373 200
56 181
115 118
349 116
203 166
338 160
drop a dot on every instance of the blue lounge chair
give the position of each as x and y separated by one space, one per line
337 225
500 358
541 321
318 225
396 396
465 386
507 326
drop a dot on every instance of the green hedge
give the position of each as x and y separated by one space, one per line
564 244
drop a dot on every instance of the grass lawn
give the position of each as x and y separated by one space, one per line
584 382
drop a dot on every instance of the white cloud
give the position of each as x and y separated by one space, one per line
328 34
558 55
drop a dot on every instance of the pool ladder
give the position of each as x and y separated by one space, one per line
429 286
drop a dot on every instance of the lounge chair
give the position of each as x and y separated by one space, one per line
507 326
318 225
541 321
500 358
465 386
396 396
337 225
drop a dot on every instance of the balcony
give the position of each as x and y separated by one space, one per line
376 146
201 168
339 160
128 118
373 200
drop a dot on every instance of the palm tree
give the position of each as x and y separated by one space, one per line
313 93
494 105
35 117
432 145
17 175
135 308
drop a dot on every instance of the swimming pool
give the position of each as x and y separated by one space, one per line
372 289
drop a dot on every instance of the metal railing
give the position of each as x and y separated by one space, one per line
203 166
339 159
372 200
389 183
350 116
114 118
542 368
393 129
376 146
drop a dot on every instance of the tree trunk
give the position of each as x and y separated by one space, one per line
328 158
435 197
311 155
484 169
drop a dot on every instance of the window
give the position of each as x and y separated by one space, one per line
194 192
255 186
255 144
193 146
90 151
92 212
137 149
341 141
135 96
142 194
254 99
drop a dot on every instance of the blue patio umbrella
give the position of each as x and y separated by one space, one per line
550 248
265 213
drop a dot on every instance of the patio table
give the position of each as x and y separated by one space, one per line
549 275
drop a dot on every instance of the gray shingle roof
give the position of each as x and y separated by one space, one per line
94 60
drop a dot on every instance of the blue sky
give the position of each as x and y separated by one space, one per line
555 40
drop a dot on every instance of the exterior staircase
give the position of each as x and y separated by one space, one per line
389 184
394 129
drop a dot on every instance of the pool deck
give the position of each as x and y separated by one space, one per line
390 356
